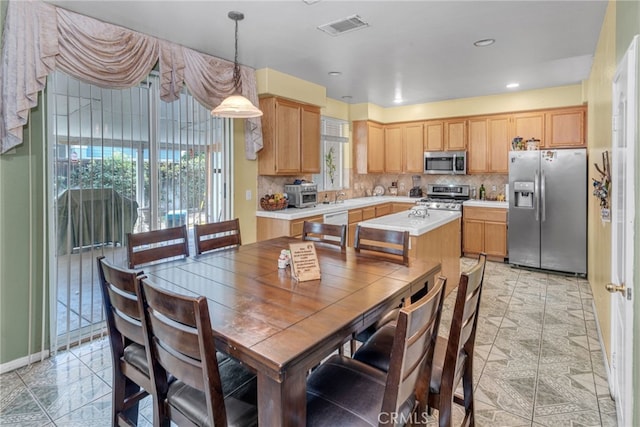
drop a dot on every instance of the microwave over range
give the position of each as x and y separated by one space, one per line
445 162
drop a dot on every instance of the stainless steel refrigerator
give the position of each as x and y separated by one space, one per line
548 210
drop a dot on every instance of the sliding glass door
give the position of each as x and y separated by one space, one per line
122 161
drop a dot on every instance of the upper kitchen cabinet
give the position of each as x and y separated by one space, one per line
368 147
565 128
413 148
455 135
489 142
403 147
433 135
529 125
291 137
393 148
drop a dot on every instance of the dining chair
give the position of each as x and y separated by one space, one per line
217 235
453 356
156 245
131 379
332 234
348 392
390 242
180 343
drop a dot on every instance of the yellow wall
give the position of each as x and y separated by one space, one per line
561 96
599 137
245 173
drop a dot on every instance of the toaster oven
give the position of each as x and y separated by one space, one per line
302 195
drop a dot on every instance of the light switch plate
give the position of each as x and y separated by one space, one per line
248 195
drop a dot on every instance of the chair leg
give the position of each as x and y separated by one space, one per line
444 408
130 414
467 384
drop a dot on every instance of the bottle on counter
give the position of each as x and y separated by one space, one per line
482 192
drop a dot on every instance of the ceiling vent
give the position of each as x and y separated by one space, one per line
344 25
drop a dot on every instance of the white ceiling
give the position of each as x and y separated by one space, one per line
420 50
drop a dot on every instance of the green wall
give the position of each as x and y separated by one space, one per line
22 243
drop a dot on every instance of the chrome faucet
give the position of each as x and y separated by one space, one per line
339 197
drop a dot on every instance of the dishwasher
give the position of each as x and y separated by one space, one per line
338 218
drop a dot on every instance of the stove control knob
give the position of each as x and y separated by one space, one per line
437 205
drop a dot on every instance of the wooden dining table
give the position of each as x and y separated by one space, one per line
281 328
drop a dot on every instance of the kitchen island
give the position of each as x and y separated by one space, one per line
435 237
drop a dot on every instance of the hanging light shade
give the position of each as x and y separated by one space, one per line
236 106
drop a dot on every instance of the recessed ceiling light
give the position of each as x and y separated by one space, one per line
398 101
334 73
310 2
346 97
484 42
513 85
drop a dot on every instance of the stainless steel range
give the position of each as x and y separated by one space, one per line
447 197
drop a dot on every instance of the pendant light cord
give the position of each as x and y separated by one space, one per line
236 66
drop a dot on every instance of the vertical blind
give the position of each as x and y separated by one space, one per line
122 161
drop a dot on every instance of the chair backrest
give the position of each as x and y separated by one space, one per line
413 345
180 341
217 235
120 303
149 246
318 232
464 321
126 338
385 241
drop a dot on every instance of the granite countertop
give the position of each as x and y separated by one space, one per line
486 204
416 226
321 209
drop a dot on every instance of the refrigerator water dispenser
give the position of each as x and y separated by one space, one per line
523 194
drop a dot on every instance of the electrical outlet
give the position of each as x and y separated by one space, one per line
493 188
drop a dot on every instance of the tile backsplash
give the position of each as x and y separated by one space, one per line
359 184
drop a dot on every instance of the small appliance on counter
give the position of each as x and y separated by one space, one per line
302 194
415 191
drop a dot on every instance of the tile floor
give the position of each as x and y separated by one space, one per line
538 362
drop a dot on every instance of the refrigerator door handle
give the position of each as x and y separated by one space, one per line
537 195
543 195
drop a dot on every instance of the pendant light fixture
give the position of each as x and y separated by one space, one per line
236 106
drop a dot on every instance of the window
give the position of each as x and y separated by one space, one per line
124 161
334 134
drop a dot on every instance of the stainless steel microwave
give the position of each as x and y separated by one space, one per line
445 162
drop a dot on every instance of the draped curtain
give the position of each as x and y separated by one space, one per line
39 37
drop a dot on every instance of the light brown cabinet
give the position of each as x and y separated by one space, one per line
489 144
455 134
485 230
368 147
403 147
565 128
401 207
528 125
269 228
393 148
413 148
291 137
433 135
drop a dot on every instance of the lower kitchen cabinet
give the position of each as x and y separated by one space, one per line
485 230
269 228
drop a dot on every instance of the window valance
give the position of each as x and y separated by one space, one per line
39 37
